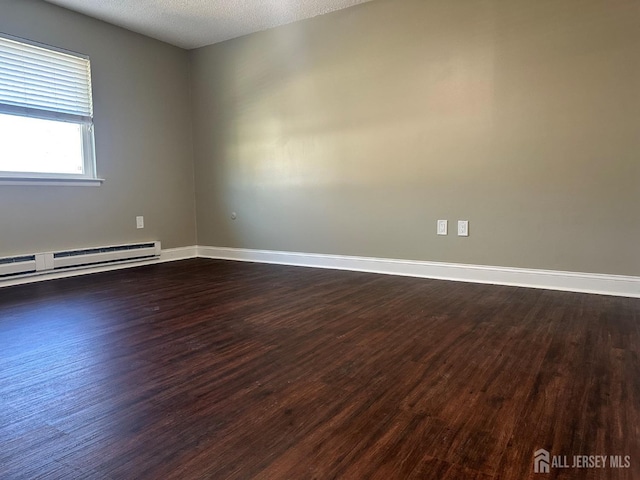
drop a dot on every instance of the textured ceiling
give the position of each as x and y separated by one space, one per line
196 23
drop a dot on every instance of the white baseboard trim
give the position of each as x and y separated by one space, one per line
167 255
181 253
618 285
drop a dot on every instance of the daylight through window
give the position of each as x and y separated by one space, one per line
46 112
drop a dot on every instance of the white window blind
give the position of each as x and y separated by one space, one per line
44 83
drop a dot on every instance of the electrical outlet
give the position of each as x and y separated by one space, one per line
139 222
463 228
443 227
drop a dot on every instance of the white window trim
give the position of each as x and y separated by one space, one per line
52 181
89 177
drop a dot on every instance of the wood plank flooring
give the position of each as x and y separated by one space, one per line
206 369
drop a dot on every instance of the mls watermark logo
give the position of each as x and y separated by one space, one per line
541 459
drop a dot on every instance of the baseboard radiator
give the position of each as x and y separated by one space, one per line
76 259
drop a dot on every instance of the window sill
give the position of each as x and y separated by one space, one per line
52 181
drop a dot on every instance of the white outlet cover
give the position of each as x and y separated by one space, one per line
139 222
463 228
443 227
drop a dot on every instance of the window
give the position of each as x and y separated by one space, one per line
46 113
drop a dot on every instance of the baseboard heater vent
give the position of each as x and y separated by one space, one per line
99 256
80 258
12 266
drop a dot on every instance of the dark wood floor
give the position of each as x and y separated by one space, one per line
210 369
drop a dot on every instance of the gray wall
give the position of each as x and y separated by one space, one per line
352 133
143 142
